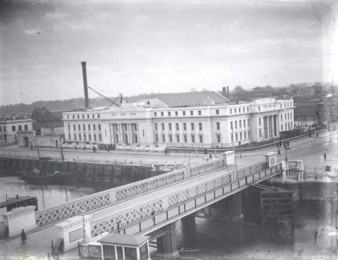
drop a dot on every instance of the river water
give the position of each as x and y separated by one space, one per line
315 206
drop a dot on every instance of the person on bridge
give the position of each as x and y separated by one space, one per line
23 237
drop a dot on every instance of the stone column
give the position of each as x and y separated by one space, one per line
20 218
167 244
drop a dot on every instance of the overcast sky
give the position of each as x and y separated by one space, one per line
145 46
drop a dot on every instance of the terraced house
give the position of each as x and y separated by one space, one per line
194 119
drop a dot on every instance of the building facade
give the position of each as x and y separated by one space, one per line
153 122
11 126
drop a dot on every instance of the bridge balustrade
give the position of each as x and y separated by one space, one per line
118 194
170 206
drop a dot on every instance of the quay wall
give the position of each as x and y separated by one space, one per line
116 174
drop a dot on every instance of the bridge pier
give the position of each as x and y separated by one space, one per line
189 231
167 244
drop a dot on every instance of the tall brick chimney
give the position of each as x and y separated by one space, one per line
85 86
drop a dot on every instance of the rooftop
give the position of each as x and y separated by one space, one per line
122 239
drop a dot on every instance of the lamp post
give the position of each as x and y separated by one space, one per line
286 148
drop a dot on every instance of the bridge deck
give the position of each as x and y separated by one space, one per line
147 212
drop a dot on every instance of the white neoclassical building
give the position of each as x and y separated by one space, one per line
206 119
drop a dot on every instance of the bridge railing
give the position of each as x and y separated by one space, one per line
118 194
183 202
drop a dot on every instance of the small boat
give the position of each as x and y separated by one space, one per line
38 175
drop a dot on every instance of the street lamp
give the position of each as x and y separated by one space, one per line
286 148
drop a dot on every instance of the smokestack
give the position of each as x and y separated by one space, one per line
224 92
85 86
228 90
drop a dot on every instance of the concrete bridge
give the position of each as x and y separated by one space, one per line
151 206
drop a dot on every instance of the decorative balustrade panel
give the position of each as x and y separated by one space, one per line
207 167
113 223
70 209
258 167
140 187
198 190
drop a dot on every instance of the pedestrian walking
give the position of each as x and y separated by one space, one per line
23 236
325 156
316 233
94 149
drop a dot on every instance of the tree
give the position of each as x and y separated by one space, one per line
238 89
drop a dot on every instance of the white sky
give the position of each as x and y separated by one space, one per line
145 46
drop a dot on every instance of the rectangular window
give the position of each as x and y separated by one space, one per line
176 113
79 136
163 126
98 115
169 113
230 111
201 138
177 126
260 133
156 127
177 138
170 138
88 127
244 123
185 138
93 116
231 125
240 136
236 137
20 128
232 137
87 116
244 135
169 126
162 114
247 109
74 136
183 113
218 125
235 110
84 127
163 138
84 137
218 138
155 113
68 127
69 136
79 127
13 128
82 116
217 112
248 122
191 113
93 127
74 127
239 110
193 139
185 126
199 112
99 126
200 126
26 127
235 124
259 121
240 123
192 126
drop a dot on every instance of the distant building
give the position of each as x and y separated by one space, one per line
12 125
194 119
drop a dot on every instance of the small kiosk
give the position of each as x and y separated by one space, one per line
125 247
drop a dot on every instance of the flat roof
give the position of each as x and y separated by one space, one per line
124 240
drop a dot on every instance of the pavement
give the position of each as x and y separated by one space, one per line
310 150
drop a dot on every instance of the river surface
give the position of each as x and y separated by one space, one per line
315 206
